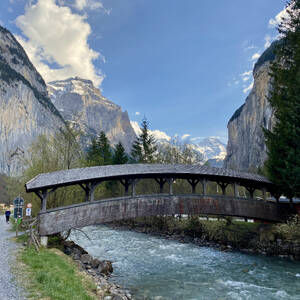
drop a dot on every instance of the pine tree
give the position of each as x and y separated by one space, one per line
99 152
144 147
104 148
120 157
283 142
92 155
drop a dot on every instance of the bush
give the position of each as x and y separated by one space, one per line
290 230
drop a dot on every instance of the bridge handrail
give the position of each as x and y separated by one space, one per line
117 199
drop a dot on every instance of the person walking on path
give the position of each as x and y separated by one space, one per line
7 215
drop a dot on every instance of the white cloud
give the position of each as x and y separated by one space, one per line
90 4
246 75
137 113
255 56
247 46
248 88
55 35
278 18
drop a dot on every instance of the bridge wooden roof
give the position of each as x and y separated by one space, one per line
113 172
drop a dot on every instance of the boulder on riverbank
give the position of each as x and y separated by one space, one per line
100 270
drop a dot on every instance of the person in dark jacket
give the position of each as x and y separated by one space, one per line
7 215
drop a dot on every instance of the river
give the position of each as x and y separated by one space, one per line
160 269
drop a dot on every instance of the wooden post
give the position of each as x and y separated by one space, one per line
92 188
17 227
126 184
133 187
92 191
236 191
264 194
223 187
170 186
86 189
87 192
204 184
161 182
251 191
44 200
193 183
126 187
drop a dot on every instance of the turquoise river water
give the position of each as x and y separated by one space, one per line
160 269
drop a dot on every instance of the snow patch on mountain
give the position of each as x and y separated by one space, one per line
211 148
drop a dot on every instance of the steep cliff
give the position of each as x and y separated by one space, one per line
83 105
25 108
246 149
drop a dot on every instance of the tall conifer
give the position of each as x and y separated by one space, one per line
120 157
144 147
283 142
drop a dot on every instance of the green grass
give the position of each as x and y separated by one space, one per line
53 275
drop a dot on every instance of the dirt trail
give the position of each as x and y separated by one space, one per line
8 286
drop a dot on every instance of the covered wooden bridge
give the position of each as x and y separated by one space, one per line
131 205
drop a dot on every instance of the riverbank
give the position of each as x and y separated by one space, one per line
281 240
66 271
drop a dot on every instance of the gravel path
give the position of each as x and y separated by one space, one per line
8 288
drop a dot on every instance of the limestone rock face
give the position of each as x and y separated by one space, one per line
83 105
25 108
246 149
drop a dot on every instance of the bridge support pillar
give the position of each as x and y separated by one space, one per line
44 240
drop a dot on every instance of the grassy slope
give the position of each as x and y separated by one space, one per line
53 275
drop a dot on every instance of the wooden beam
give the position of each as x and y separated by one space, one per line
44 200
161 182
193 182
236 191
251 190
170 180
204 185
38 193
223 186
133 182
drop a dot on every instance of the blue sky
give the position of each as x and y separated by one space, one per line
185 65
